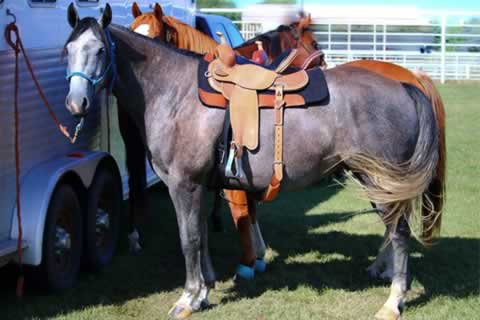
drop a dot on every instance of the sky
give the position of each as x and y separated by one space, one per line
423 4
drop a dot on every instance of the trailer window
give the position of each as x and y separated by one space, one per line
87 2
42 3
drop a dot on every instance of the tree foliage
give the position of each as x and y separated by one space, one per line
215 4
279 1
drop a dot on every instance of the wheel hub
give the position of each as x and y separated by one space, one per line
102 221
63 241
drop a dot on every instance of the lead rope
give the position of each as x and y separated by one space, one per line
17 46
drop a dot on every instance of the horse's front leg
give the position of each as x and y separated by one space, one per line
137 176
192 225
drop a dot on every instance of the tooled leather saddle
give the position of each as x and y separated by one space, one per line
229 81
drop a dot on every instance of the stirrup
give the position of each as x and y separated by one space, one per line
239 173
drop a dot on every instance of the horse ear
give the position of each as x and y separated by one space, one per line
72 15
309 20
304 22
106 17
136 10
158 11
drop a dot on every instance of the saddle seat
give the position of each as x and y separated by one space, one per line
236 83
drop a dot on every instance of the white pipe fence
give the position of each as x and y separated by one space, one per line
445 50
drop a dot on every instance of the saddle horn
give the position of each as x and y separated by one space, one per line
224 52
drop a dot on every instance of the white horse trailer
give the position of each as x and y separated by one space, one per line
70 194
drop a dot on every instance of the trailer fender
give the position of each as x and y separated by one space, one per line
37 187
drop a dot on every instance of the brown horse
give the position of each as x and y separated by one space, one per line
297 35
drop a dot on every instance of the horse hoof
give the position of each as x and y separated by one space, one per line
134 241
387 275
387 314
244 272
135 249
180 312
260 265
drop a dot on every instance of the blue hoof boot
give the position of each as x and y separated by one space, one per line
245 272
260 265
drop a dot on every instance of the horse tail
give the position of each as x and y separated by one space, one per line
436 189
404 189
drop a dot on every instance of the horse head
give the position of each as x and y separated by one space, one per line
309 53
149 24
91 59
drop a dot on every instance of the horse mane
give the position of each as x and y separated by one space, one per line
188 38
152 42
82 26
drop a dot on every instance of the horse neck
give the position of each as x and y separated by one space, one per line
148 71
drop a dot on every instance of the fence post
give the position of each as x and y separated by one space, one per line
329 36
443 47
349 37
384 41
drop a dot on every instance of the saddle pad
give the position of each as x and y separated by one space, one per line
314 93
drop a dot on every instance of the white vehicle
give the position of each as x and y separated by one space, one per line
70 194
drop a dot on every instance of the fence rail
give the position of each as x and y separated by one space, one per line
446 50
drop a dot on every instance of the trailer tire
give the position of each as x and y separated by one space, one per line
62 241
102 221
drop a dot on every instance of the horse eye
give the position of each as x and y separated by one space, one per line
100 51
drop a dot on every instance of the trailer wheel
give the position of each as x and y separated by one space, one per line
62 240
102 220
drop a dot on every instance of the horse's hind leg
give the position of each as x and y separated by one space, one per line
399 287
239 208
382 267
256 235
187 197
137 176
216 215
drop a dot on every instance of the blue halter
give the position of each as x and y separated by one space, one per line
111 66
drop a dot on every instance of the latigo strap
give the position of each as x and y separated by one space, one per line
274 186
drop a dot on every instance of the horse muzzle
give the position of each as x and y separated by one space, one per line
78 105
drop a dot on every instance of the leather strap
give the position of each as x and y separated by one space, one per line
278 158
264 100
274 186
287 61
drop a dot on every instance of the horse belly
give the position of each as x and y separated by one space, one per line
307 149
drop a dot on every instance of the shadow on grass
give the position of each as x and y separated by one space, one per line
452 268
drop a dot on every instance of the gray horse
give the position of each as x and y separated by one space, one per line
384 132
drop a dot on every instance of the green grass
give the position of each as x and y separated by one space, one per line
319 248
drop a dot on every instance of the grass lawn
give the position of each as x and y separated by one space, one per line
319 247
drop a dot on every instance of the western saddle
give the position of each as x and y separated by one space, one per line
244 86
